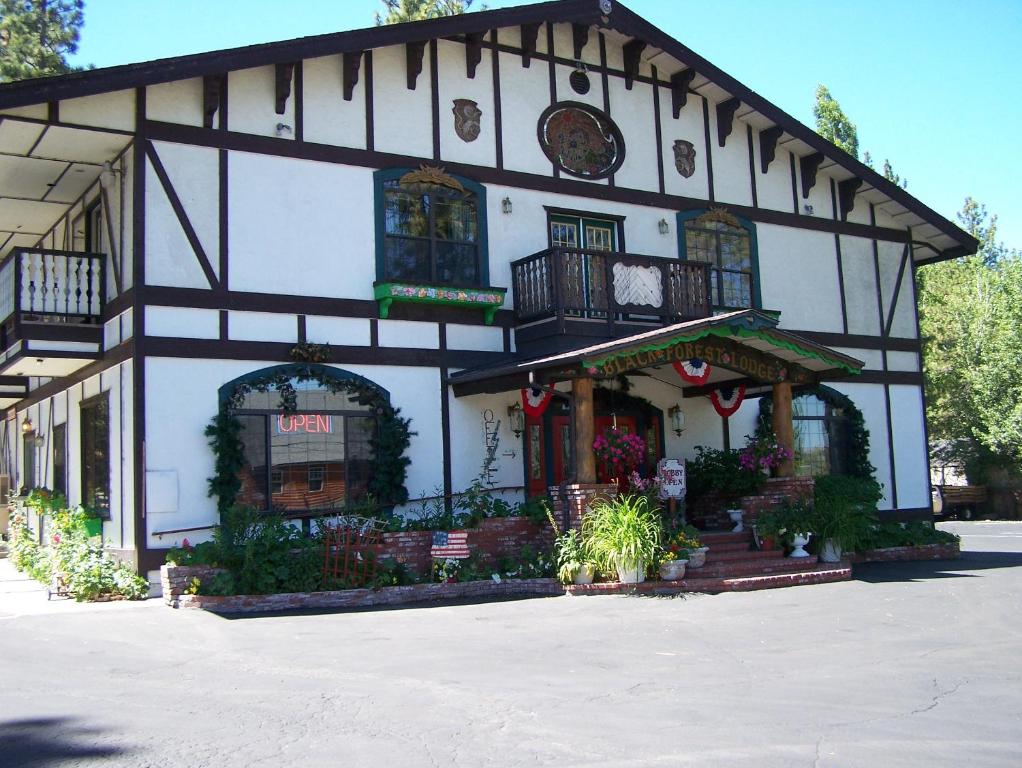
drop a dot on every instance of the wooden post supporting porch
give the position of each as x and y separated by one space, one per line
584 428
784 429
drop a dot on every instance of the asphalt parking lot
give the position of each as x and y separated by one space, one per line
912 664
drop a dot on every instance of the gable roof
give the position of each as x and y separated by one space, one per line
953 241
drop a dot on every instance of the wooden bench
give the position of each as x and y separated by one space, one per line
970 499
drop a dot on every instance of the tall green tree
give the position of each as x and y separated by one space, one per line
37 35
398 11
970 316
833 124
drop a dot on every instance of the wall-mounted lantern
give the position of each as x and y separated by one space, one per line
677 417
516 418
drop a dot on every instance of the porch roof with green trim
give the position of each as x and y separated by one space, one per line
745 343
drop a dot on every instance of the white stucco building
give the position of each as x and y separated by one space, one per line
171 228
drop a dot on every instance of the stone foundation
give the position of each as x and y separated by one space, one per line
949 551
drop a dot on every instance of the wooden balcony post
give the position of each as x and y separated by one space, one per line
584 429
783 428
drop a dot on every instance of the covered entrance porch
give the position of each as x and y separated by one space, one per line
635 384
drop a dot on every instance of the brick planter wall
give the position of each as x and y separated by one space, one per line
950 551
710 509
366 598
494 538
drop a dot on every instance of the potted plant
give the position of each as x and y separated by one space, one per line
794 522
623 533
768 529
618 453
573 564
687 545
672 565
844 513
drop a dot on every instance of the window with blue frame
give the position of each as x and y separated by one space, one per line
728 244
431 228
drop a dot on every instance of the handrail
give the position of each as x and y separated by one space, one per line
43 283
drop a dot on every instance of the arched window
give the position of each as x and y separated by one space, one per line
821 436
430 228
728 244
316 456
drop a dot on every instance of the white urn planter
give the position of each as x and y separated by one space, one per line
799 541
673 570
631 573
584 575
831 551
697 557
736 518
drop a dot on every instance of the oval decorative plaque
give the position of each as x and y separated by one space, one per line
581 140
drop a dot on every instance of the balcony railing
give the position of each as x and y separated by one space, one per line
609 286
39 285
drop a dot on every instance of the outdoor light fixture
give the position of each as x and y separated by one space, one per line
505 205
283 128
38 441
664 227
516 418
108 175
808 209
677 419
27 427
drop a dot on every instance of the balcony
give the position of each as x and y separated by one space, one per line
51 305
567 296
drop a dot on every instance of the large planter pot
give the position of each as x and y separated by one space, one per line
697 557
673 570
799 540
830 552
736 518
631 573
584 575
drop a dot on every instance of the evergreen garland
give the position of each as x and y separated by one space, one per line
857 434
389 442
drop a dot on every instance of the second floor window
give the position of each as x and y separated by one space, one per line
431 233
729 247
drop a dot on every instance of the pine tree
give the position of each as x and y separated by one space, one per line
36 35
399 11
832 123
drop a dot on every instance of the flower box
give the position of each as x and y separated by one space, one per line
487 299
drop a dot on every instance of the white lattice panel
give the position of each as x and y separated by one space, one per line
639 286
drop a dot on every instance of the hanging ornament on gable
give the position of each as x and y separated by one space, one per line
535 401
727 400
694 371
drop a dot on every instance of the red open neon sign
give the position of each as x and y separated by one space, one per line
304 423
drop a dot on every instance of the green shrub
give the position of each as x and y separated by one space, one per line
720 471
911 534
25 553
622 531
845 509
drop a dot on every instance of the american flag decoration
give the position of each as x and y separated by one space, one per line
727 400
694 371
535 401
451 545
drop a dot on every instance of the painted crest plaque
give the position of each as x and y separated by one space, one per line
685 157
467 117
581 140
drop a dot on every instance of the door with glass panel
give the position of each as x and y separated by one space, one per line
583 270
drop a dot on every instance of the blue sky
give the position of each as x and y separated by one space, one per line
933 86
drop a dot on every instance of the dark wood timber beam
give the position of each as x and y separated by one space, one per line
351 63
282 85
212 87
809 165
726 119
473 52
530 33
632 52
768 146
680 82
846 195
413 60
579 38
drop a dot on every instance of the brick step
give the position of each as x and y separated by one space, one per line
820 574
729 546
716 556
711 538
752 567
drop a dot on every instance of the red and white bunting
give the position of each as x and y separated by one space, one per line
535 401
694 371
727 400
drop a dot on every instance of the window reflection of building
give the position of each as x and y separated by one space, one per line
821 437
318 458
